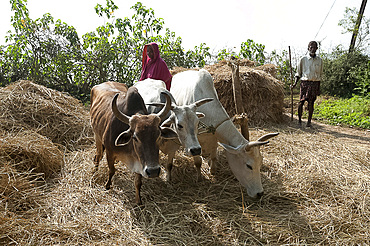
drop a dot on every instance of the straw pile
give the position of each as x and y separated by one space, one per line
27 159
29 150
268 68
36 125
317 185
262 93
28 106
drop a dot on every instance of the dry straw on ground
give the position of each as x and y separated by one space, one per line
317 185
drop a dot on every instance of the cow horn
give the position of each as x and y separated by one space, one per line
267 136
202 101
254 143
164 111
121 116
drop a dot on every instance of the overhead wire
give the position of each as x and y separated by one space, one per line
325 18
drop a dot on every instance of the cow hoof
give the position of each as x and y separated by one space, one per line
139 203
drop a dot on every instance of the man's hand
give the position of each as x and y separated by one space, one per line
295 83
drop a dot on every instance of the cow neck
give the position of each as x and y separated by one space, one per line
228 134
204 128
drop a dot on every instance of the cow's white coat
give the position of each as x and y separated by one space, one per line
244 157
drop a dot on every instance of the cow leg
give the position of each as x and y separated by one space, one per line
213 160
99 154
198 164
112 170
138 183
169 147
169 165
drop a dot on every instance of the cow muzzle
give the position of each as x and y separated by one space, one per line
196 151
152 172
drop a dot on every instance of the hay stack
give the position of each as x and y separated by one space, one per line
36 123
268 68
55 115
29 150
26 158
263 95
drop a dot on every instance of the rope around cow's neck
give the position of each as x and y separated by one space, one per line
209 129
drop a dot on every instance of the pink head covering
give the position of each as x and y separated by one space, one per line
155 68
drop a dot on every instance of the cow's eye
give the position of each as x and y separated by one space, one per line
134 137
179 126
250 167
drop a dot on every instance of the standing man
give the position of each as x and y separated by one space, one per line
309 71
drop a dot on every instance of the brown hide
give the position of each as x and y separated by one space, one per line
136 144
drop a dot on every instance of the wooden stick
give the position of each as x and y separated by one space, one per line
238 98
292 81
237 89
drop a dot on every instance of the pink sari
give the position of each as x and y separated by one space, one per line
155 68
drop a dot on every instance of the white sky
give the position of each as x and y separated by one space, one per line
220 24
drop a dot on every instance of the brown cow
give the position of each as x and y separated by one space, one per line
123 127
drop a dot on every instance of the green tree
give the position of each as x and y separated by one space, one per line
226 53
253 51
51 53
248 50
281 60
348 23
40 50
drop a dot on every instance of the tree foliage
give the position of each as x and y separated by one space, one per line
340 73
248 50
281 60
348 23
51 52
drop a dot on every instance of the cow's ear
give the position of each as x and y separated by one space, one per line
200 115
124 138
168 133
168 122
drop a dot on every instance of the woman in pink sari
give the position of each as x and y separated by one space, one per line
154 66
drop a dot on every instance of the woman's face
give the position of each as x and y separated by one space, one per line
150 52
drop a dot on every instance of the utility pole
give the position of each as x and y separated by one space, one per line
357 26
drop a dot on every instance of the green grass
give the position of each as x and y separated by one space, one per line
350 112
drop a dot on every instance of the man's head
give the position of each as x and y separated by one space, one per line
312 47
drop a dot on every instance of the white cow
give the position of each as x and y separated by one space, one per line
244 157
184 119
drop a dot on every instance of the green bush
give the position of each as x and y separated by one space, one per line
361 77
351 112
338 79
